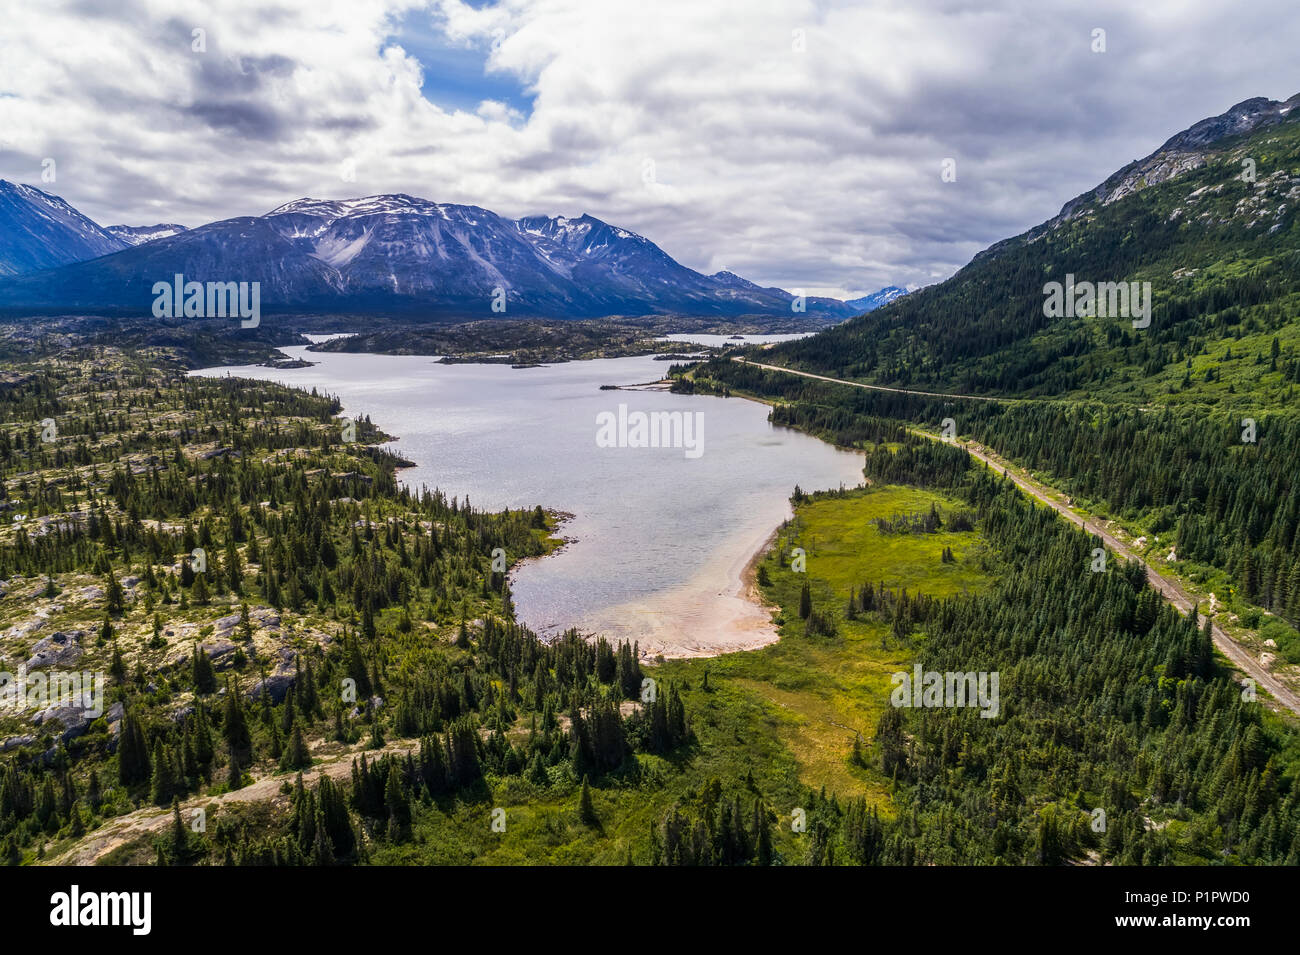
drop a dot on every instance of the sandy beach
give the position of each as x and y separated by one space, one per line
720 610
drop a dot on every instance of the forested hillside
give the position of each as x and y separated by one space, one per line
1229 509
1222 255
243 567
1120 739
277 617
1185 430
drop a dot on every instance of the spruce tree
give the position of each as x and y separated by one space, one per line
586 811
114 596
133 765
234 726
296 755
178 849
762 834
537 773
204 752
234 776
164 784
117 666
205 678
399 807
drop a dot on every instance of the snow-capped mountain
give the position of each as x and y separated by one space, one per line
139 234
400 251
41 231
732 280
869 303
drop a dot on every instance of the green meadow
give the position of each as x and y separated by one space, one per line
782 718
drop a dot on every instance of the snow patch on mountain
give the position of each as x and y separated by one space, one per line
339 252
869 303
139 234
41 231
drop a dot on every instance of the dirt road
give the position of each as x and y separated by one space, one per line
858 384
124 829
1173 593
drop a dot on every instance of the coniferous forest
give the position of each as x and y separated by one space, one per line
338 620
310 662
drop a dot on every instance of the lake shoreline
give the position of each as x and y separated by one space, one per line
766 633
741 621
648 549
754 629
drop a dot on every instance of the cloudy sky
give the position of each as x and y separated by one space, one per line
799 144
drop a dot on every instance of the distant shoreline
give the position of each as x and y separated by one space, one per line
719 609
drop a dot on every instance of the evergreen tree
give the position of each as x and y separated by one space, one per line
762 834
205 678
296 755
178 850
133 763
114 596
117 667
234 775
201 594
164 783
234 727
399 807
586 811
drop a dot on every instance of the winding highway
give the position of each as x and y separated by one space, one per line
1168 589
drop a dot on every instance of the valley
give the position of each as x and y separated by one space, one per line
1282 685
383 578
798 730
657 537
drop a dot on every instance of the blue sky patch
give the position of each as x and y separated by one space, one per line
456 76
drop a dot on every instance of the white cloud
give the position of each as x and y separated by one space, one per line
796 143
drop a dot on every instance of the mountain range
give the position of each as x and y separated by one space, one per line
389 252
869 303
40 231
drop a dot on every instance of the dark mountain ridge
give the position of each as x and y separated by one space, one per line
407 254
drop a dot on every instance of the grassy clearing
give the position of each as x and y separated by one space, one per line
819 692
787 714
775 721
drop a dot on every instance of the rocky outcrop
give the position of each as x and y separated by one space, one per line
59 649
1180 154
75 720
276 684
218 649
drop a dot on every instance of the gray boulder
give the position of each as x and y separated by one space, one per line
62 648
74 720
224 625
277 685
